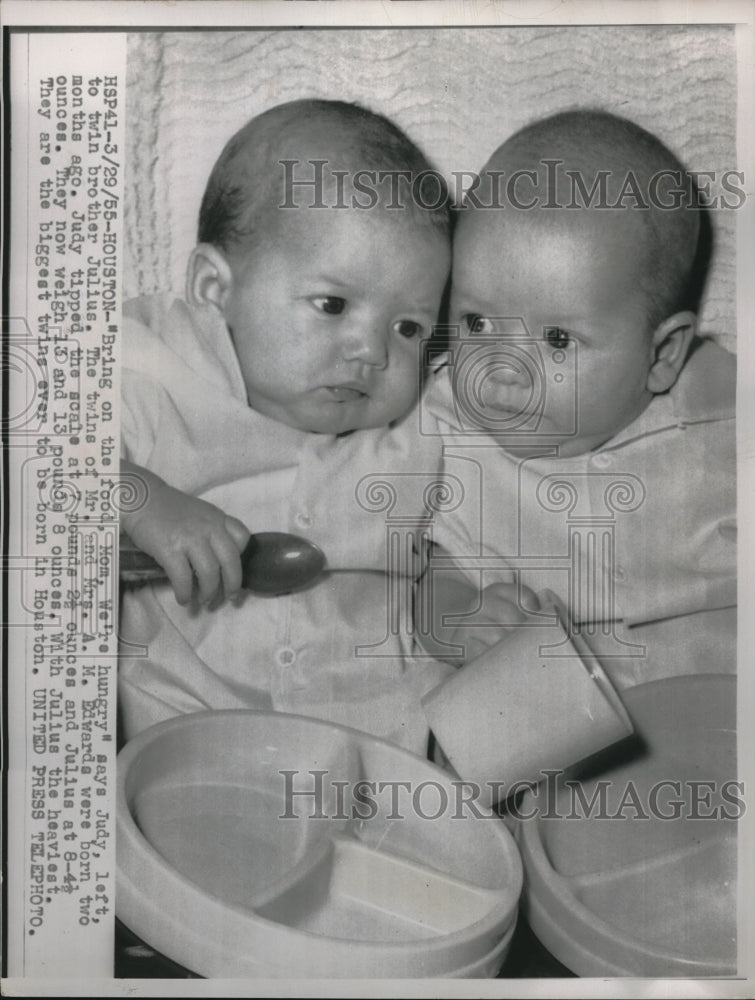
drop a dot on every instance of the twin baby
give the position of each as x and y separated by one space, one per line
288 391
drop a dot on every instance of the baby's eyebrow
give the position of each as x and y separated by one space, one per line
511 325
327 278
473 306
428 307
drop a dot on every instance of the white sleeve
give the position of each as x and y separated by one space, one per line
142 395
141 400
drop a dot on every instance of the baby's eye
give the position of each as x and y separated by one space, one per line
555 336
407 328
333 305
478 324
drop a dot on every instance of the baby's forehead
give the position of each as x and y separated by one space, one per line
396 230
575 261
589 231
301 195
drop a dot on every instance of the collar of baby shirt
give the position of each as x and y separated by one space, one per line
181 364
438 405
197 336
703 393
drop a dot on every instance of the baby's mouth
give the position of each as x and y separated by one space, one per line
347 393
504 406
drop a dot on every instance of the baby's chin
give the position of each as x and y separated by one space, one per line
548 440
347 417
548 445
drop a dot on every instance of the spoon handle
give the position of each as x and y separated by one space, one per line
135 566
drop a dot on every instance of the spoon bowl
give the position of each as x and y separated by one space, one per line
273 562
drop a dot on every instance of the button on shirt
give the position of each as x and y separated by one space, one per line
639 534
334 650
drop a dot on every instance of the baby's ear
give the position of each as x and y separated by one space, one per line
671 344
208 277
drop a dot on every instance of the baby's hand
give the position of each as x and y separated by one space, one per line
193 541
502 607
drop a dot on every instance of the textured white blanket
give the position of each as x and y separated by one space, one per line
458 92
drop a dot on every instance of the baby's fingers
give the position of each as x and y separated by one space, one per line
228 555
473 644
207 573
179 571
529 600
511 601
238 531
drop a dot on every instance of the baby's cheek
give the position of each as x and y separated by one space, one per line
410 390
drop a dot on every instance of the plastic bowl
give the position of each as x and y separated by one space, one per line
638 877
255 844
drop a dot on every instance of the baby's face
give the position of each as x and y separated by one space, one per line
327 313
576 288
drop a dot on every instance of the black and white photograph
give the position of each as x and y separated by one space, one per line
378 394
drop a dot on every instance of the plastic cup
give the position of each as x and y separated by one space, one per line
537 701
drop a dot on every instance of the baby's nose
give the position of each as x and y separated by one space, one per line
506 370
367 342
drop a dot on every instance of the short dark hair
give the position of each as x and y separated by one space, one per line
246 178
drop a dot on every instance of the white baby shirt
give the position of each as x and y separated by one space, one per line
637 537
339 650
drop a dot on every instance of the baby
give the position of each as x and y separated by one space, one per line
274 397
600 428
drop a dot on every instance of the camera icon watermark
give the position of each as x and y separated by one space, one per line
508 382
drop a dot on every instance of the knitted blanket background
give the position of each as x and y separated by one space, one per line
457 92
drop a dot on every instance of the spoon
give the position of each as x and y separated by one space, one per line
271 563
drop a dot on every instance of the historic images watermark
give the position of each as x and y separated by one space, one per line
313 184
313 794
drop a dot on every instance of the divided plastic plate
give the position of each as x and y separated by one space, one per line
638 877
265 845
